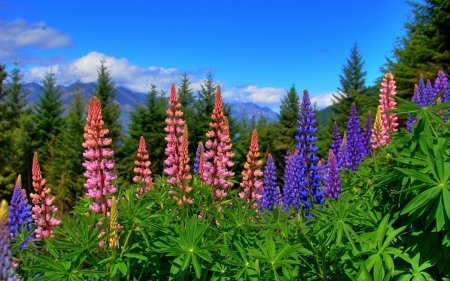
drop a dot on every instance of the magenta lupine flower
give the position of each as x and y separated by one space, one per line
43 203
336 141
271 193
367 135
6 262
333 186
389 121
251 183
99 164
20 213
218 156
355 147
142 170
174 129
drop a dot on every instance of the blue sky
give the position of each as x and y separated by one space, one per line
255 49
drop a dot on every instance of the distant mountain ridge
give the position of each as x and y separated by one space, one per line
128 99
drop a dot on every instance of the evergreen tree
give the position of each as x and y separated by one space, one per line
15 98
105 91
6 174
289 108
147 120
352 89
424 49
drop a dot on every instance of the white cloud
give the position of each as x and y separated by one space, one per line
123 73
265 96
323 100
19 35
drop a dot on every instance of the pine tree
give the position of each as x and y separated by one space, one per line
424 49
105 91
15 98
147 120
289 108
6 174
352 89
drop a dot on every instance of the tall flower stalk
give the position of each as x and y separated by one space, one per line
6 262
43 203
411 120
271 193
367 135
378 131
98 164
218 156
20 212
174 129
142 169
113 225
336 141
198 153
333 183
389 121
355 146
183 171
290 197
251 184
344 162
308 179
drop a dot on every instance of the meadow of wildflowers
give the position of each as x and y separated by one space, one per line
378 208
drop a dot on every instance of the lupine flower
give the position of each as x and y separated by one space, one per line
322 173
355 146
218 156
20 213
174 129
307 177
99 165
113 225
411 120
198 153
367 135
271 194
344 162
429 92
333 186
378 131
142 169
336 141
251 184
6 262
290 197
183 171
389 121
422 92
442 84
43 203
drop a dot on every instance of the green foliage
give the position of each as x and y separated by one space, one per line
424 49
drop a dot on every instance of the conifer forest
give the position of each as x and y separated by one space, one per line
184 191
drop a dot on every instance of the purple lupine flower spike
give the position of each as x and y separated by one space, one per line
336 141
442 84
429 92
198 153
333 187
6 262
20 213
344 162
411 120
289 193
367 135
422 98
307 176
271 195
355 147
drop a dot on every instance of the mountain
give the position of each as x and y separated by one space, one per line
323 115
127 100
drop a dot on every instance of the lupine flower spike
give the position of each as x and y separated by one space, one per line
6 262
113 225
308 179
174 129
251 184
336 141
98 164
218 156
411 120
344 162
290 197
271 194
198 153
43 204
333 186
355 146
142 170
378 131
389 121
442 84
20 212
367 135
183 171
